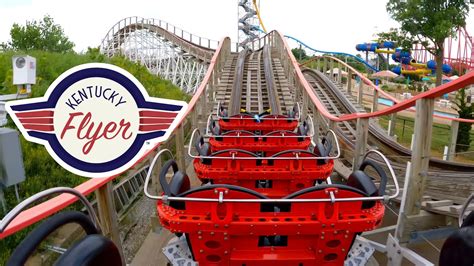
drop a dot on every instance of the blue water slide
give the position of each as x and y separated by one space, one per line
334 53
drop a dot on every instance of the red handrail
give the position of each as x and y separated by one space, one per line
47 208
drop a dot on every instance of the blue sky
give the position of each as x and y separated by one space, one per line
336 25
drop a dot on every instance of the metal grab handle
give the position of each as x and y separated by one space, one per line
380 172
259 115
390 168
38 196
197 131
464 209
150 170
221 200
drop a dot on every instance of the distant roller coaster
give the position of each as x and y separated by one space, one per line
164 49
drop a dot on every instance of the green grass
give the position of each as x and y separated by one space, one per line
440 136
41 170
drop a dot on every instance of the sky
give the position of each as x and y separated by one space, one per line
336 25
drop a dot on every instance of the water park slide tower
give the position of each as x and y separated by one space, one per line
377 48
248 28
409 66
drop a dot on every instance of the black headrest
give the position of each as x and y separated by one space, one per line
215 128
303 129
469 220
179 181
203 148
223 112
360 180
458 249
323 149
292 113
31 242
91 250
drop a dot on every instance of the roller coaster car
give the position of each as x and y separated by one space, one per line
269 143
275 176
232 225
264 122
458 249
93 249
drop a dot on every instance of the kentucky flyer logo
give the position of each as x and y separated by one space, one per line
95 119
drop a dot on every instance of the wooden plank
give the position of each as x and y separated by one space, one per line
456 209
362 130
438 203
453 140
180 153
416 182
108 215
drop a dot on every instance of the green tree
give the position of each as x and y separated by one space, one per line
300 54
465 110
39 35
430 22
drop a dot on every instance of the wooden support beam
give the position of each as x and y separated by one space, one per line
392 123
305 104
360 94
339 73
415 185
375 101
331 73
194 116
156 173
180 154
453 139
349 81
108 216
362 132
325 65
204 105
316 121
